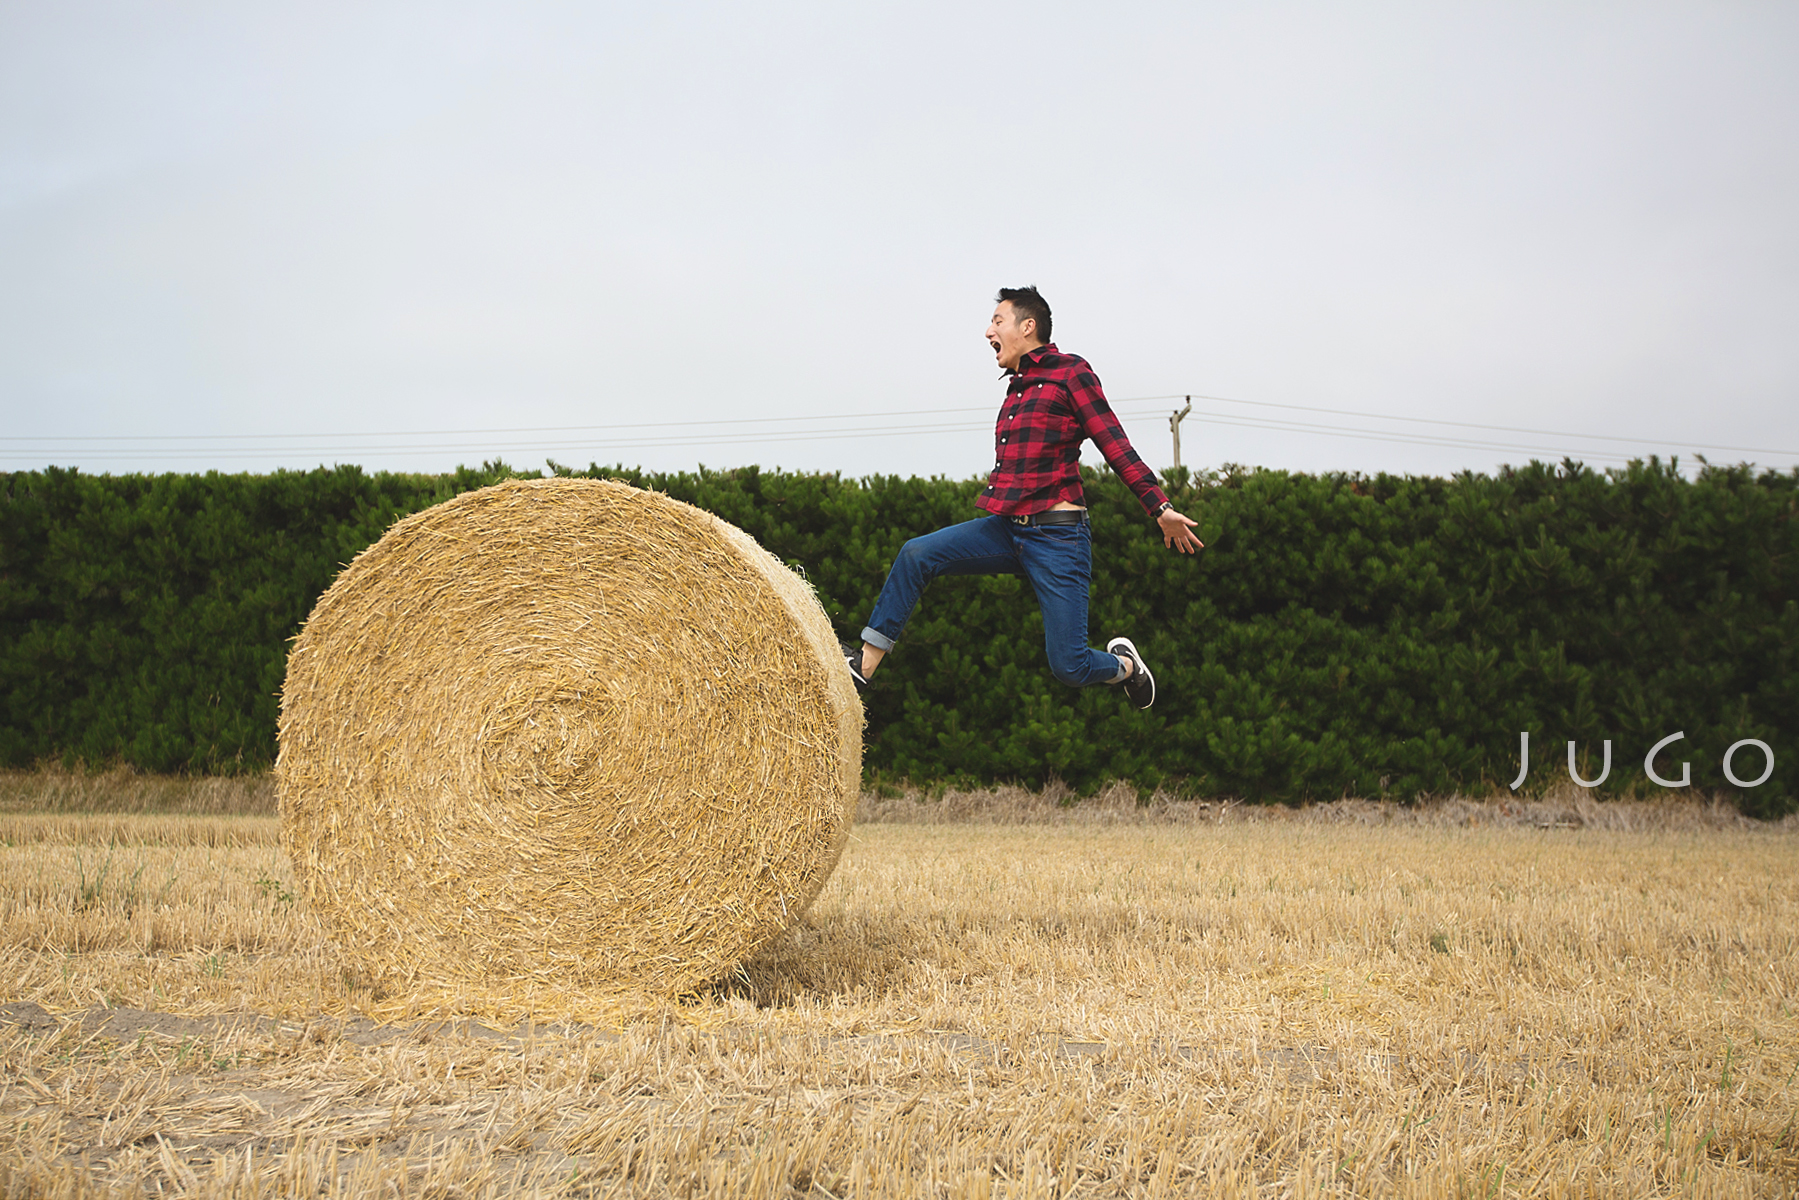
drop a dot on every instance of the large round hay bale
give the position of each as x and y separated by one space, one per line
569 729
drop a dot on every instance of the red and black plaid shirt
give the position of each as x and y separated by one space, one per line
1053 404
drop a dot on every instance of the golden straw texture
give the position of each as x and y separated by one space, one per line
569 729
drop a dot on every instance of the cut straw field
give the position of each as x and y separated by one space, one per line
1027 1001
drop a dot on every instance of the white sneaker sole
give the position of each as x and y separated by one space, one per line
1129 647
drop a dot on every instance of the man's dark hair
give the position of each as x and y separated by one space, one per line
1026 302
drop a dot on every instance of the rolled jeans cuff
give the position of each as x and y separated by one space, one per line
1118 678
877 639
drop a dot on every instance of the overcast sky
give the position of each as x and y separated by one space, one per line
256 236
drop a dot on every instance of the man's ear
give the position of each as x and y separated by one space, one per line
1028 328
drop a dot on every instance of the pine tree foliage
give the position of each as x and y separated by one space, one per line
1340 635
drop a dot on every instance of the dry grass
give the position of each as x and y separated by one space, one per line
1351 1000
54 789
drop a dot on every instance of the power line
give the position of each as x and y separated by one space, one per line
727 440
163 452
1602 437
1397 438
484 447
204 437
417 433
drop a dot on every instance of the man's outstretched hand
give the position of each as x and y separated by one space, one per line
1177 532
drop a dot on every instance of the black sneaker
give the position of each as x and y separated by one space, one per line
852 658
1140 688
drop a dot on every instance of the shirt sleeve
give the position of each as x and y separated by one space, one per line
1100 423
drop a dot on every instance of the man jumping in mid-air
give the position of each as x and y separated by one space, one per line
1039 524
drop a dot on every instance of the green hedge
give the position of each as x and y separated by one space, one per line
1341 635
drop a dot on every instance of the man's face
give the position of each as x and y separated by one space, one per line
1009 340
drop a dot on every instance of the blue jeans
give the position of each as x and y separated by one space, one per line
1057 559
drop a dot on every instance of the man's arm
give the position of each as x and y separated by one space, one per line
1177 531
1100 423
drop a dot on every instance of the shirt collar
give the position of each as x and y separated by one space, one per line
1029 359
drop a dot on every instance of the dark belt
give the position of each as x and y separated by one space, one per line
1055 516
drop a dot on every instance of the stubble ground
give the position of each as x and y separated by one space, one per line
996 995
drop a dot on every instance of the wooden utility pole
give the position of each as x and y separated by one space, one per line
1174 427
